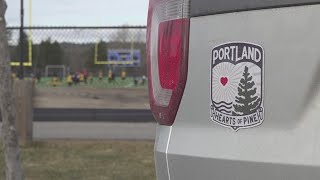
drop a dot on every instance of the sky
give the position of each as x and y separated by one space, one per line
79 12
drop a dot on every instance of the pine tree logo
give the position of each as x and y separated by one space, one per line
247 100
237 87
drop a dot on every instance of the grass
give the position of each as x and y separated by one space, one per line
81 160
104 83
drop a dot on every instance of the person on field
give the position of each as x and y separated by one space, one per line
38 76
75 79
144 79
123 75
55 80
69 80
90 78
81 77
14 76
135 81
110 75
85 76
100 75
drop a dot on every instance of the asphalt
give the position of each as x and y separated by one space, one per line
92 115
94 130
93 124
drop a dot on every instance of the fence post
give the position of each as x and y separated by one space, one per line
23 91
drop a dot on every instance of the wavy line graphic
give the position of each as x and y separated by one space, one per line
223 106
225 111
222 102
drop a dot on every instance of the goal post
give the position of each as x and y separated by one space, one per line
109 61
55 69
28 62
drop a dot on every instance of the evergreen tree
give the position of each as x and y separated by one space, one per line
17 53
55 54
49 54
41 60
247 101
100 53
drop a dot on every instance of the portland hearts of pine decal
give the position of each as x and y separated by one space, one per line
237 71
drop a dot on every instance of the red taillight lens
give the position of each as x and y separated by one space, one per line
167 51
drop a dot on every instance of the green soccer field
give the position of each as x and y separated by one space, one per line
96 83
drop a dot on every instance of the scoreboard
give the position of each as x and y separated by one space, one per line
124 57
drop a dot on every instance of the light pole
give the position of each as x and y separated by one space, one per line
21 40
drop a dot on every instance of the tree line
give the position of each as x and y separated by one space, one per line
48 52
75 56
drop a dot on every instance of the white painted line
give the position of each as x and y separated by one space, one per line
168 169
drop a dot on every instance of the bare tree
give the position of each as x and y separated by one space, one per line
140 36
8 111
122 35
9 34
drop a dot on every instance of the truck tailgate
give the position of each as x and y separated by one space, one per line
280 65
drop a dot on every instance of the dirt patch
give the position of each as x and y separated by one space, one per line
65 97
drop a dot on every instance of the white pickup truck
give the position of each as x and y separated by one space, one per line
235 88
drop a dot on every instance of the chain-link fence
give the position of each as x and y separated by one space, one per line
76 48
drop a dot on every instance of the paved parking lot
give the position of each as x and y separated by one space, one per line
94 130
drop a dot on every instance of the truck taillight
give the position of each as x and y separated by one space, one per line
167 56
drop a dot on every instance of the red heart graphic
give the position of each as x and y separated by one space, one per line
224 81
